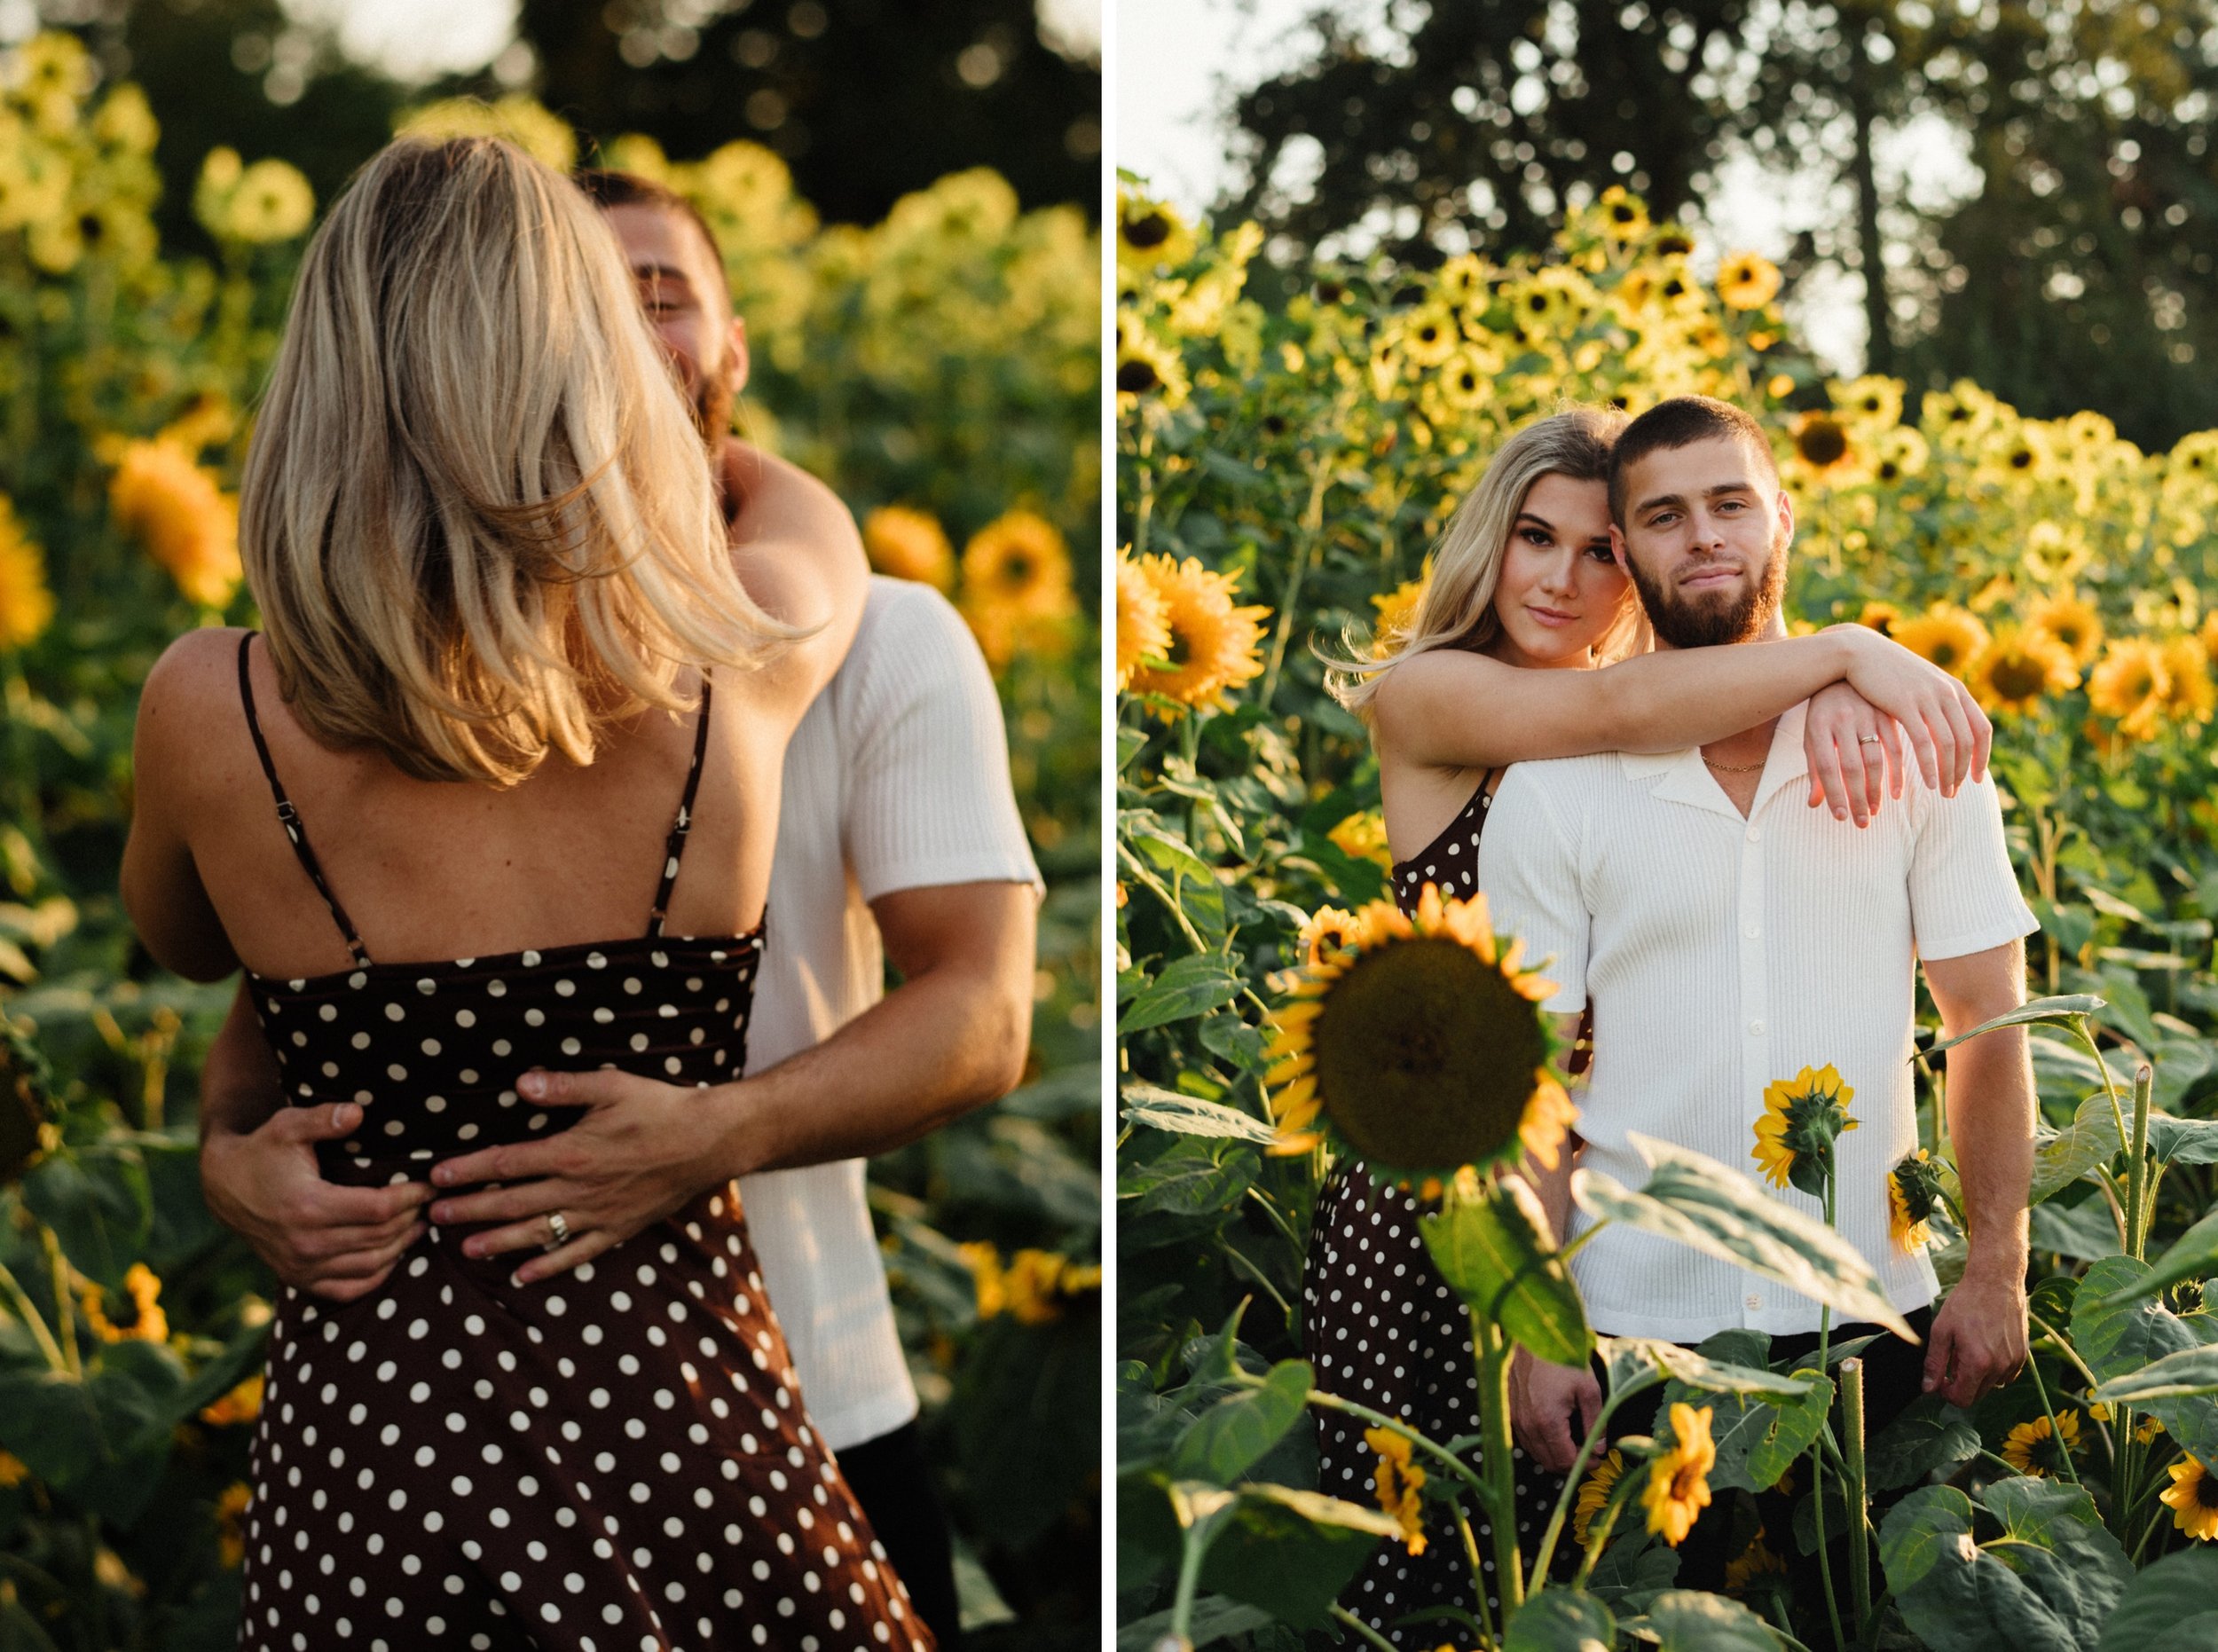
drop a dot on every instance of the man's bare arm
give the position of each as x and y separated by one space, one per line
1978 1339
952 1036
1552 1407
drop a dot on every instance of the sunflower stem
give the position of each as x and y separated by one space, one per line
1858 1508
1285 1307
2137 1165
1455 1465
1364 1631
1499 1467
1817 1457
2079 1025
1568 1495
2064 1451
1478 1568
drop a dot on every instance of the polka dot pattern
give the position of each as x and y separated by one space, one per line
1384 1330
617 1458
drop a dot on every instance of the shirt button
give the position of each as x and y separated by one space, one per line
1753 930
1755 1027
1755 834
1754 1301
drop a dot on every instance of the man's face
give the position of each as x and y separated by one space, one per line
1706 539
681 291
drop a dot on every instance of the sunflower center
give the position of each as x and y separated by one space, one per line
1136 374
1150 229
2206 1490
1426 1055
1822 443
1946 655
2021 458
2019 677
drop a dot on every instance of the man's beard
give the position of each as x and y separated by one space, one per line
1706 624
710 405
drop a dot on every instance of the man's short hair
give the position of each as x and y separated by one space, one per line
1681 422
606 188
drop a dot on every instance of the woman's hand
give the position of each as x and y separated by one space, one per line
1855 753
1551 1409
643 1151
1947 730
338 1243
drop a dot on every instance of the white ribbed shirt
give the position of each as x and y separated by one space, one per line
897 778
1722 954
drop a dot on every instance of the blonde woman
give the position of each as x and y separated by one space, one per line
470 806
1525 599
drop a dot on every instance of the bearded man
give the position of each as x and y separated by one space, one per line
1726 938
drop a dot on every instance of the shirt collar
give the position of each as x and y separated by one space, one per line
1687 778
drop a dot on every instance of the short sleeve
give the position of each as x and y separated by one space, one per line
929 798
1528 871
1963 893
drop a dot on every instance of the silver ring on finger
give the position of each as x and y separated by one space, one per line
1867 740
560 1228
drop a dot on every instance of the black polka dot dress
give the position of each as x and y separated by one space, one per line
1384 1330
614 1458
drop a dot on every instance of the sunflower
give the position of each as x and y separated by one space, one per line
2192 698
1821 442
1874 402
1948 636
272 202
2208 635
186 522
1881 617
1624 217
2072 620
1756 1561
2193 1497
13 1471
1399 1484
1914 1189
231 1521
1150 237
144 1288
1142 624
909 545
1363 836
1420 1046
27 606
1329 933
1430 336
1017 587
2034 1448
1803 1117
1465 380
2130 686
1747 280
2017 667
1678 1479
1212 646
1397 612
1602 1479
1901 452
243 1404
2144 1431
1148 368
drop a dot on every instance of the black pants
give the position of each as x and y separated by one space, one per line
1894 1373
891 1480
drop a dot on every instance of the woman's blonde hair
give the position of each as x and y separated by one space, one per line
1457 607
477 516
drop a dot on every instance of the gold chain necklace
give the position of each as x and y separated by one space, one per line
1736 769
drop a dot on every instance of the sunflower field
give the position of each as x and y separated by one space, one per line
1281 475
941 370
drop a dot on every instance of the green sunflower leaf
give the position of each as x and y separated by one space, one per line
1703 1205
2057 1012
1493 1250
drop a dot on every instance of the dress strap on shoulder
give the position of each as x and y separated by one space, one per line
287 815
674 846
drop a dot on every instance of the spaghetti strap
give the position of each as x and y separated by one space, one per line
289 816
674 846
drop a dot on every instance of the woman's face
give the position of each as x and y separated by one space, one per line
1560 588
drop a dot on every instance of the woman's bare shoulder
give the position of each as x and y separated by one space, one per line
196 675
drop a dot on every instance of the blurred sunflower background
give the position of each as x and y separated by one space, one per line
925 316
